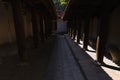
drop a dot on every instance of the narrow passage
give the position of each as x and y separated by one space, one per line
62 64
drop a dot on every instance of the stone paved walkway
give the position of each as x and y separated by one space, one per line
58 59
52 61
62 65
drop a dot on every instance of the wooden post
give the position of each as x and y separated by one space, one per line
71 28
102 38
91 27
35 28
49 27
19 29
79 31
71 31
71 25
46 22
74 29
86 33
55 25
68 27
41 29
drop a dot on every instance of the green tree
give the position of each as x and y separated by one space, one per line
60 4
63 2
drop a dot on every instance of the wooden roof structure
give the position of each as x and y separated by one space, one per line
78 8
46 7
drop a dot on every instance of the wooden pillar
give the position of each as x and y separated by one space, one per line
91 27
82 28
54 26
102 38
74 29
35 27
19 28
41 29
71 28
86 33
55 23
68 27
46 22
49 27
92 32
71 31
79 30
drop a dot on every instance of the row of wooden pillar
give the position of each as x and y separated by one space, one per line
80 28
40 30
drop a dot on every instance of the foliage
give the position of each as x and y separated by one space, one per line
63 2
60 4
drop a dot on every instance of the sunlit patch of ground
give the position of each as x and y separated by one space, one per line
112 70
